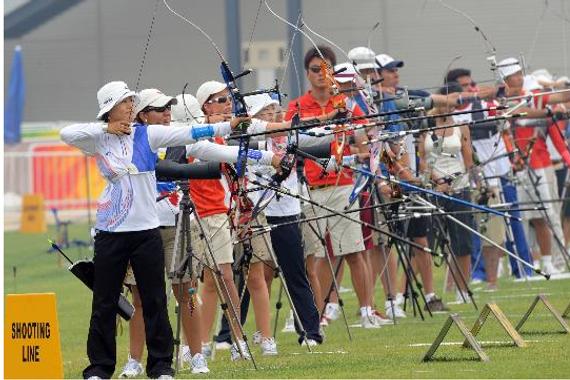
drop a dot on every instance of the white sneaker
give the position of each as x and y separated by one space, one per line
310 342
289 323
332 311
199 364
223 346
165 377
235 353
394 312
131 369
399 299
377 319
257 337
94 377
184 356
207 349
268 347
549 268
368 323
324 321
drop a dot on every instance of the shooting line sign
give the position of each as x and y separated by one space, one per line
32 346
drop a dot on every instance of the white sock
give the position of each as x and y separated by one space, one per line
546 260
363 311
429 296
369 310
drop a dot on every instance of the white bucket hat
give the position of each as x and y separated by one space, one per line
152 97
363 57
255 103
207 89
508 67
187 110
111 94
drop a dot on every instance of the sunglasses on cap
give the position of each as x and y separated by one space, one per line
219 100
158 109
315 69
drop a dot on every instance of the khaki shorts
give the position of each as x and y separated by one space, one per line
346 236
167 235
492 226
217 231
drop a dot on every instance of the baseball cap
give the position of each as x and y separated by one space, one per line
508 67
187 110
387 62
255 103
346 75
207 89
152 97
363 57
111 94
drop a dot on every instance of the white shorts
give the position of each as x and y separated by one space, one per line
346 236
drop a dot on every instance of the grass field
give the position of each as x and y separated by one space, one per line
389 352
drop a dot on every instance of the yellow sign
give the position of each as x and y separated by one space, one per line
33 215
32 348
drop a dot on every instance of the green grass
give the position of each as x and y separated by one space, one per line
390 352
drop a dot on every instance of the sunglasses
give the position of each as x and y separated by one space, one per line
315 69
219 100
158 109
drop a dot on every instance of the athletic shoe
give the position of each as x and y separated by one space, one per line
268 347
380 321
257 337
207 349
332 311
289 323
368 322
235 353
549 268
324 321
185 356
199 364
310 342
223 345
132 369
394 312
399 299
94 377
165 377
435 305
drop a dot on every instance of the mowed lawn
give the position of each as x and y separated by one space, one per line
389 352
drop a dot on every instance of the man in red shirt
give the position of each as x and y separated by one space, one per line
530 137
333 189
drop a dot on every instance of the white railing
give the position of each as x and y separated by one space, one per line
67 180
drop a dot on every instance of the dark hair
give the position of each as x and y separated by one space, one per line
327 52
105 117
453 75
450 88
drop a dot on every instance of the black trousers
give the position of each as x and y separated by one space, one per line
287 243
113 250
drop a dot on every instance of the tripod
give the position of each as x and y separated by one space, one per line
183 246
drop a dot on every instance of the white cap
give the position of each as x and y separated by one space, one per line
542 75
387 62
347 74
363 57
508 67
207 89
187 110
256 103
530 83
151 97
111 94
